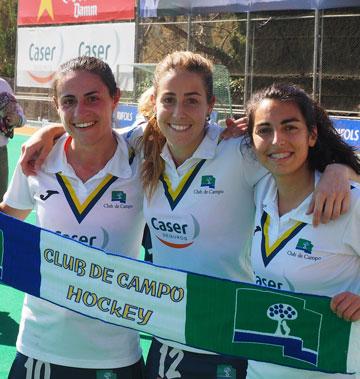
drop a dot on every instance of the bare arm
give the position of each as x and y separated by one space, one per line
21 214
234 128
353 175
332 194
35 150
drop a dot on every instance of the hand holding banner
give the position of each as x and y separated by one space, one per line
214 314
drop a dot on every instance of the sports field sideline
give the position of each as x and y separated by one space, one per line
11 299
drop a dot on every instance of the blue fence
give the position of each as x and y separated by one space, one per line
125 116
349 130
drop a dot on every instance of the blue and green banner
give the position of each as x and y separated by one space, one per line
218 315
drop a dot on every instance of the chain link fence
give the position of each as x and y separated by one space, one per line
318 50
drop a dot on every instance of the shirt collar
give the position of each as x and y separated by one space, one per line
118 165
206 149
298 214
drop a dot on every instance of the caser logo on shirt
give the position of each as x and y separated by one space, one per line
176 232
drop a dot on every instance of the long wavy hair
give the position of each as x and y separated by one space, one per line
153 140
329 146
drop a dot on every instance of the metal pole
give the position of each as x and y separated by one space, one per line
16 54
321 55
136 49
315 55
189 32
247 48
252 57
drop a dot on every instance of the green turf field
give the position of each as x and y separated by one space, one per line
11 299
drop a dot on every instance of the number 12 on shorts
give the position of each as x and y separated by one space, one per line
171 372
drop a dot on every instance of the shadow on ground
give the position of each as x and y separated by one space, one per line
8 329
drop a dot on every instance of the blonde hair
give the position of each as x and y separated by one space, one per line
145 104
153 140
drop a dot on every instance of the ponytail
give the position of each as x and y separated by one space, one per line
153 165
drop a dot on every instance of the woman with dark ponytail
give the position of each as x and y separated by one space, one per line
293 137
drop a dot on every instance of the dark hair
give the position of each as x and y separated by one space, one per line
153 140
329 146
89 64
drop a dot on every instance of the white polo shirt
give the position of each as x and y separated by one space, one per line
201 214
288 253
105 212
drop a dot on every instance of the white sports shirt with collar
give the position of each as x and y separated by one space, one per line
111 219
201 214
288 253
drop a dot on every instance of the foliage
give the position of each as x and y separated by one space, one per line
8 18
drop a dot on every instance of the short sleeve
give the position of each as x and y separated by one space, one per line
18 194
253 171
352 235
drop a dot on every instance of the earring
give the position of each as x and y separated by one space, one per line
207 117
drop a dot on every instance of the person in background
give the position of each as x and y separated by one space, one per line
11 116
294 139
89 171
145 105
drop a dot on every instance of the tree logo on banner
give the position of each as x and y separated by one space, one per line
282 313
296 334
1 253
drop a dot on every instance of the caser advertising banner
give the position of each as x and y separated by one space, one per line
40 12
41 50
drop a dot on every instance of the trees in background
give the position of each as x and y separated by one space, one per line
8 16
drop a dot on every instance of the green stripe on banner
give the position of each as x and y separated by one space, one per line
295 330
219 315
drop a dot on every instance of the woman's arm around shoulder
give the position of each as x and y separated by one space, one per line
332 194
35 150
20 214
